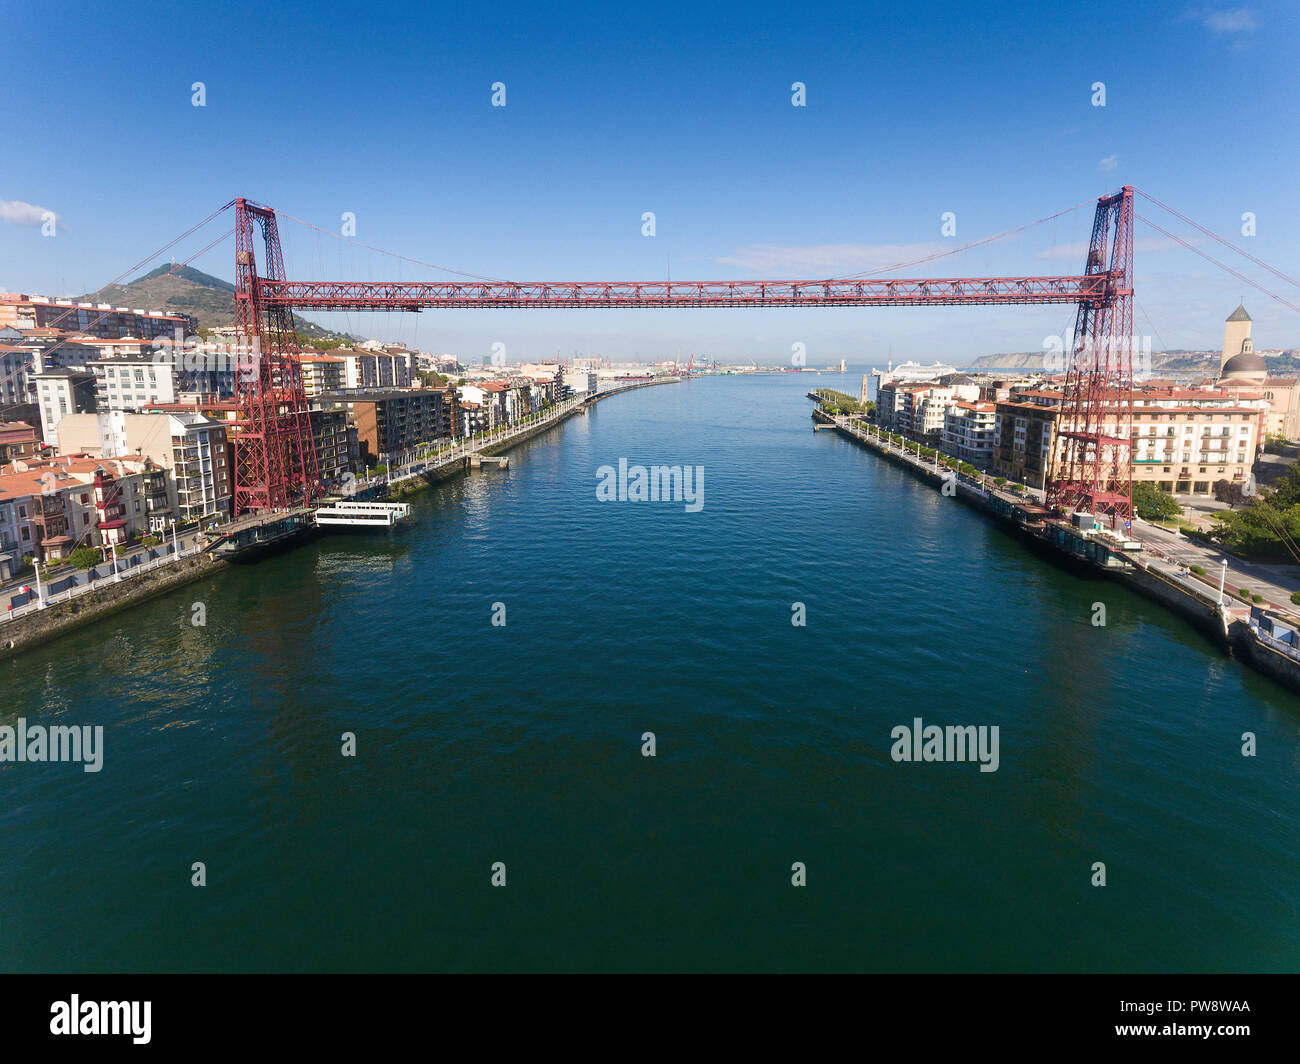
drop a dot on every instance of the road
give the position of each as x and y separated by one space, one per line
1275 583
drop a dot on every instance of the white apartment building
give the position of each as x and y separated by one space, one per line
917 410
969 429
321 373
374 368
190 446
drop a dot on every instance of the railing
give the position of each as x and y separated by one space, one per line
125 572
1273 643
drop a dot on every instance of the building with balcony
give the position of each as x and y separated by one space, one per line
374 369
49 507
1182 440
321 373
336 443
389 423
969 431
24 312
191 447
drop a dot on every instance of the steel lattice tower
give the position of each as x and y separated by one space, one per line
1091 470
275 463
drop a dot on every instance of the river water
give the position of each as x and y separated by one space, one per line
521 743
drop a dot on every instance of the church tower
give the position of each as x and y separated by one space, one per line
1236 336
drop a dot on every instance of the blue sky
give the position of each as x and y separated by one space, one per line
385 111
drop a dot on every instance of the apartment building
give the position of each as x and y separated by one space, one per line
15 365
60 392
136 380
917 409
1024 435
391 422
26 312
49 507
17 440
969 430
1183 440
191 447
336 442
371 369
321 373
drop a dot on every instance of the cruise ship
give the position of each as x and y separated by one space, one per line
912 371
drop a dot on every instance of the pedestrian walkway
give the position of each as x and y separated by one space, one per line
33 594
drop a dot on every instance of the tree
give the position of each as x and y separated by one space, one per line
1153 504
1286 492
1266 527
83 557
1230 491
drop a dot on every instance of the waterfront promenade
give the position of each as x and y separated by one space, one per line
1262 627
27 594
1168 553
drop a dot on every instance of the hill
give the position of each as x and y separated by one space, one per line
1161 361
189 291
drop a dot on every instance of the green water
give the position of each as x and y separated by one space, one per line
522 743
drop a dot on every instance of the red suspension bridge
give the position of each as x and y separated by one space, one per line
276 463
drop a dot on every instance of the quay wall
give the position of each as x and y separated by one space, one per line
1199 606
36 627
1272 663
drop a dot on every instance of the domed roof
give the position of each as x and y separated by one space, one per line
1245 364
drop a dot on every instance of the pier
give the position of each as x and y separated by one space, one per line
256 534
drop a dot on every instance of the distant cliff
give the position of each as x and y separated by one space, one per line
1204 362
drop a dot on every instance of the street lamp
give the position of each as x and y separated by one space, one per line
1223 576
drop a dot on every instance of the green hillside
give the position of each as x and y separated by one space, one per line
185 290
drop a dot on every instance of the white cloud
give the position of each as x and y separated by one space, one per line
1231 20
825 260
16 212
1109 163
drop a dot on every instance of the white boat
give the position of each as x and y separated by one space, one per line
362 514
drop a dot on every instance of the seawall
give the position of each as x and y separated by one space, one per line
1194 602
37 627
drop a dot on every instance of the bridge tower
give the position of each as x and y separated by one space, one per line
1090 469
275 452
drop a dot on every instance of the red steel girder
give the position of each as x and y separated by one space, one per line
889 292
